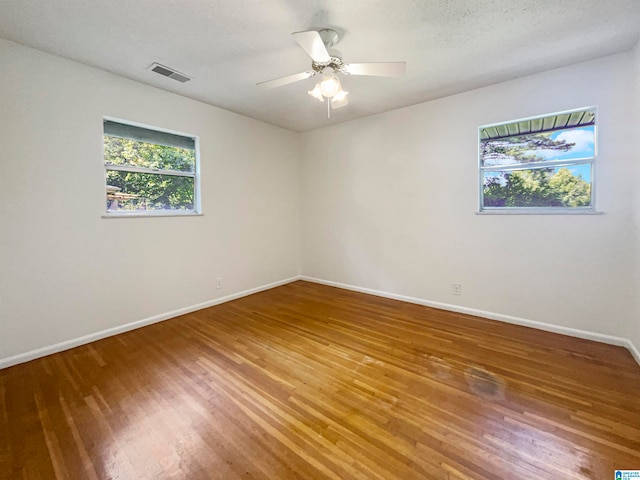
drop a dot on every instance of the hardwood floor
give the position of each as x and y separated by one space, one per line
311 382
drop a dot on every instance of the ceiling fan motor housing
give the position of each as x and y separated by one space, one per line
336 63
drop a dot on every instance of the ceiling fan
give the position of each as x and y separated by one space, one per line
329 63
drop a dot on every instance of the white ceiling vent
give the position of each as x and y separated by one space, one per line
169 72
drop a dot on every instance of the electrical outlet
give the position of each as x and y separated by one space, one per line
456 289
219 282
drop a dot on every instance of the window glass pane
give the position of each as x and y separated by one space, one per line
564 144
128 191
539 187
141 134
124 151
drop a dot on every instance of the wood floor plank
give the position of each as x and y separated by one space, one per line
306 381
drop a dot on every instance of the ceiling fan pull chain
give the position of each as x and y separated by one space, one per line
328 108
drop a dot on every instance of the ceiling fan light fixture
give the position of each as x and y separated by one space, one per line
339 99
316 93
330 85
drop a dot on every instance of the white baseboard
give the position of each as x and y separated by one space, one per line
598 337
66 345
634 350
75 342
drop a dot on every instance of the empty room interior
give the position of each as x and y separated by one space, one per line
319 239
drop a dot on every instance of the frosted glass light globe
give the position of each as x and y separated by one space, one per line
330 85
316 93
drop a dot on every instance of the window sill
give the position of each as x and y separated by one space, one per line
149 215
537 212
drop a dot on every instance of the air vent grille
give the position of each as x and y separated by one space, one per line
169 72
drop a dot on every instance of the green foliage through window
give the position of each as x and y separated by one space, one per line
143 176
544 187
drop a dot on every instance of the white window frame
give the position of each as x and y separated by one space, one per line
535 165
196 211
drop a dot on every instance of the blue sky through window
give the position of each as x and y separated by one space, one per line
584 139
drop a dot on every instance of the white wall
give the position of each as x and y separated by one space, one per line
388 204
66 272
635 330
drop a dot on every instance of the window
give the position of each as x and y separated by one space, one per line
543 164
149 172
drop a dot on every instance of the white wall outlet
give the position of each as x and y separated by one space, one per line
456 289
219 282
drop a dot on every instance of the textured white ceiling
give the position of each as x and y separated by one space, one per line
229 46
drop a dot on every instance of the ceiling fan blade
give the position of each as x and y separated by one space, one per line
278 82
382 69
312 43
